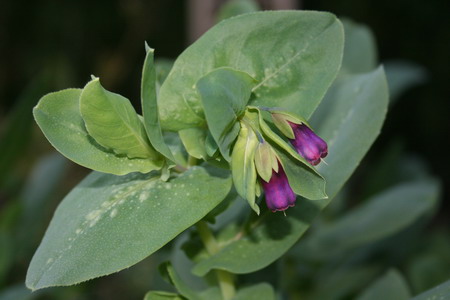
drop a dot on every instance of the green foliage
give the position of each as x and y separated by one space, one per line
224 93
212 113
442 291
58 116
274 234
293 55
383 215
392 286
112 121
262 291
150 107
119 221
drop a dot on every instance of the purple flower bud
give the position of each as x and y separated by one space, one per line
279 194
308 144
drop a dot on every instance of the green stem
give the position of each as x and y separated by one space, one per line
225 279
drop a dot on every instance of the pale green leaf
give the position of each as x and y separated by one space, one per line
379 217
293 55
194 141
112 121
108 223
58 116
360 50
150 107
224 93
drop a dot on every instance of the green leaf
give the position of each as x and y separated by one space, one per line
293 55
243 165
262 291
150 107
108 223
343 282
224 93
160 295
304 181
176 281
58 116
350 119
112 121
194 141
442 291
391 286
403 75
384 215
360 51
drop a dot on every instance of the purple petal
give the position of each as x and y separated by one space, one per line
279 194
308 144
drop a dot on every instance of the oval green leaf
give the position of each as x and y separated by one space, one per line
293 55
109 223
58 116
224 93
112 121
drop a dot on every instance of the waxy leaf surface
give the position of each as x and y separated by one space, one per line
58 116
108 223
243 165
357 107
293 55
224 93
150 107
112 121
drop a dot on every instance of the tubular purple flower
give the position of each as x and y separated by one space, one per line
308 144
279 194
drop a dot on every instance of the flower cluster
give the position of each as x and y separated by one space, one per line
263 155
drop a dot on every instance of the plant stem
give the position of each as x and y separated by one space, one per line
224 278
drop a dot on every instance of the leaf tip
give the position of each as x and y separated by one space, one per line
148 48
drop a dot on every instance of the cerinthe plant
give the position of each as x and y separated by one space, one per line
232 120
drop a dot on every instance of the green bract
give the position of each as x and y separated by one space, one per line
243 165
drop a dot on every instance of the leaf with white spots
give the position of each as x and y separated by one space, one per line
109 223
